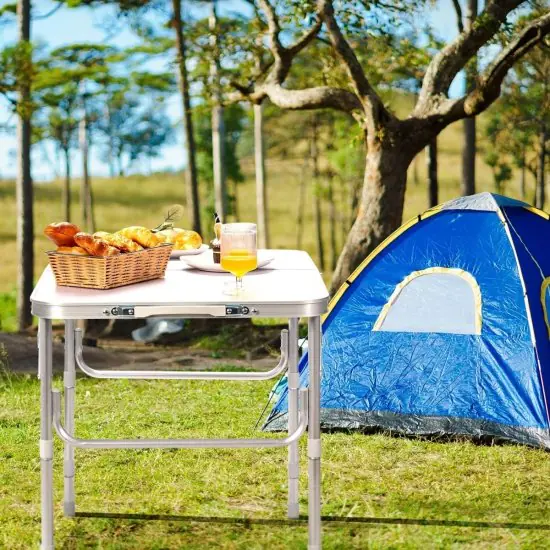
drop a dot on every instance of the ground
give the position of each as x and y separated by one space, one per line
379 491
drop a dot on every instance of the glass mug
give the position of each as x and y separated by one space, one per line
239 253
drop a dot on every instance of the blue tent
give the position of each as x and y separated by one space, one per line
444 329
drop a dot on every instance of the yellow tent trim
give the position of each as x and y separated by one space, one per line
543 288
468 277
341 291
538 212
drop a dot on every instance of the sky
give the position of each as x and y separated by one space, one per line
68 26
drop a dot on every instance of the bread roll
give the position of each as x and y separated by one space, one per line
62 233
118 241
72 250
187 240
95 246
141 235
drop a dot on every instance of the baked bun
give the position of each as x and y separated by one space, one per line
187 240
141 235
62 233
118 241
94 246
72 250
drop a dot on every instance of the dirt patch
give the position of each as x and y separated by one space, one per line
22 354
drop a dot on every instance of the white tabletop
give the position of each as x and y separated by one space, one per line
291 286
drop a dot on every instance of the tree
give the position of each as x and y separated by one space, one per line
391 142
24 186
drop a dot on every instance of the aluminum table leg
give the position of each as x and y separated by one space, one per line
314 433
46 440
293 449
69 381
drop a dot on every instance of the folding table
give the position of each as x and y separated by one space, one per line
291 287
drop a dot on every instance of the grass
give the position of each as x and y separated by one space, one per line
393 493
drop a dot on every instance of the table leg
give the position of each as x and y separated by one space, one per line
293 449
69 381
46 439
314 433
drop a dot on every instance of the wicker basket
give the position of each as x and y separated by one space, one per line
110 271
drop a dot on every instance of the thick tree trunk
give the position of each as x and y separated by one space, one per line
381 207
431 165
67 186
541 176
469 124
191 169
317 194
24 186
261 191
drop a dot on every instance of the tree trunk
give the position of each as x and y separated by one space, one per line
541 191
86 203
381 208
301 205
431 164
469 124
332 221
218 127
261 191
67 186
191 169
522 176
317 193
24 185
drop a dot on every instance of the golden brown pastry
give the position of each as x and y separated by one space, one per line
118 241
62 233
95 246
141 235
72 250
187 240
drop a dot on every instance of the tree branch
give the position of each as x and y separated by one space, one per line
489 84
459 20
453 58
375 107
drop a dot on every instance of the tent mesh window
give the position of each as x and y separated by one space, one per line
438 299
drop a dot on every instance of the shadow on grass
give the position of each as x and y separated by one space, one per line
327 519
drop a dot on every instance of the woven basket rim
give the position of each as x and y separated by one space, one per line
57 253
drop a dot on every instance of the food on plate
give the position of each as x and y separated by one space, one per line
118 241
141 235
169 235
72 250
215 243
95 246
62 233
187 240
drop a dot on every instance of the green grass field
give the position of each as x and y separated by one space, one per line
378 491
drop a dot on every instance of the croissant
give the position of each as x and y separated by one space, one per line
72 250
62 233
187 240
95 246
141 235
118 241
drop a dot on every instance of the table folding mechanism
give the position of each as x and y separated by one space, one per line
293 288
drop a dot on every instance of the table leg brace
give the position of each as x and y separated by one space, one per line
293 449
46 439
69 382
314 433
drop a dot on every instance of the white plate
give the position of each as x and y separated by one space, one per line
192 252
205 262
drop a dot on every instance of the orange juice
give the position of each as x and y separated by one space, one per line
239 261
